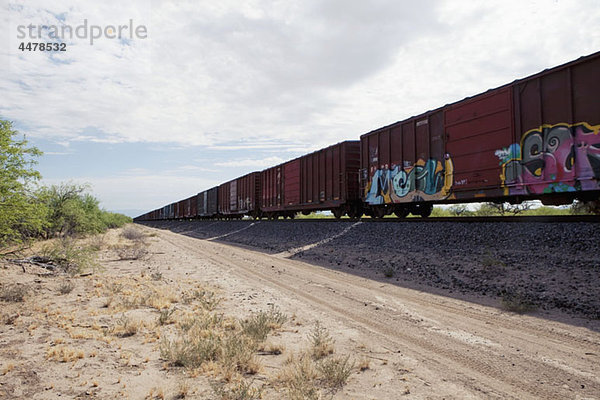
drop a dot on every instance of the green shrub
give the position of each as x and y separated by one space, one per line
260 324
517 303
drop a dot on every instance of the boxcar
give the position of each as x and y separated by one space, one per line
240 197
324 180
207 204
536 138
190 207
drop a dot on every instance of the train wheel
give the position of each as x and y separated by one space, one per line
401 212
379 212
337 212
425 210
356 211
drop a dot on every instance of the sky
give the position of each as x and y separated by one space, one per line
195 93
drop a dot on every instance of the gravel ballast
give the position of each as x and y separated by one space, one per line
522 265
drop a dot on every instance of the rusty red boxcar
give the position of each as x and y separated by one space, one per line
240 197
190 207
207 203
536 138
324 180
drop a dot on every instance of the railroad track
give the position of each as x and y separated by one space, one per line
518 219
513 219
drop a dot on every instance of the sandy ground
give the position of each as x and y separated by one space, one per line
409 343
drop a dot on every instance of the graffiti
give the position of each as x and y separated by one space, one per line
552 159
244 204
426 180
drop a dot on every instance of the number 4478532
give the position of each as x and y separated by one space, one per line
33 46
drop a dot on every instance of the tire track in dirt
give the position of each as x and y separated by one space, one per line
482 368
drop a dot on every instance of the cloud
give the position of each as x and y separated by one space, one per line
318 71
206 74
258 163
246 83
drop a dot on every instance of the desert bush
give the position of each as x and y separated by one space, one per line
516 302
490 261
192 349
299 378
130 232
260 324
389 271
125 327
207 298
68 256
241 390
97 242
321 342
164 316
335 371
13 292
201 321
65 287
134 252
238 355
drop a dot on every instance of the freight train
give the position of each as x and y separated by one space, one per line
537 138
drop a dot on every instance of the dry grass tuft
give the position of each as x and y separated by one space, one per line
156 393
126 327
241 390
165 316
207 299
364 365
136 251
237 355
132 233
321 342
299 378
220 346
191 349
13 293
64 354
335 371
271 349
183 389
66 287
97 242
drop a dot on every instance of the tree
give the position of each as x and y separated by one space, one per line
489 209
19 216
70 211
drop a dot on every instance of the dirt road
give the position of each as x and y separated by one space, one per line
430 346
102 334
